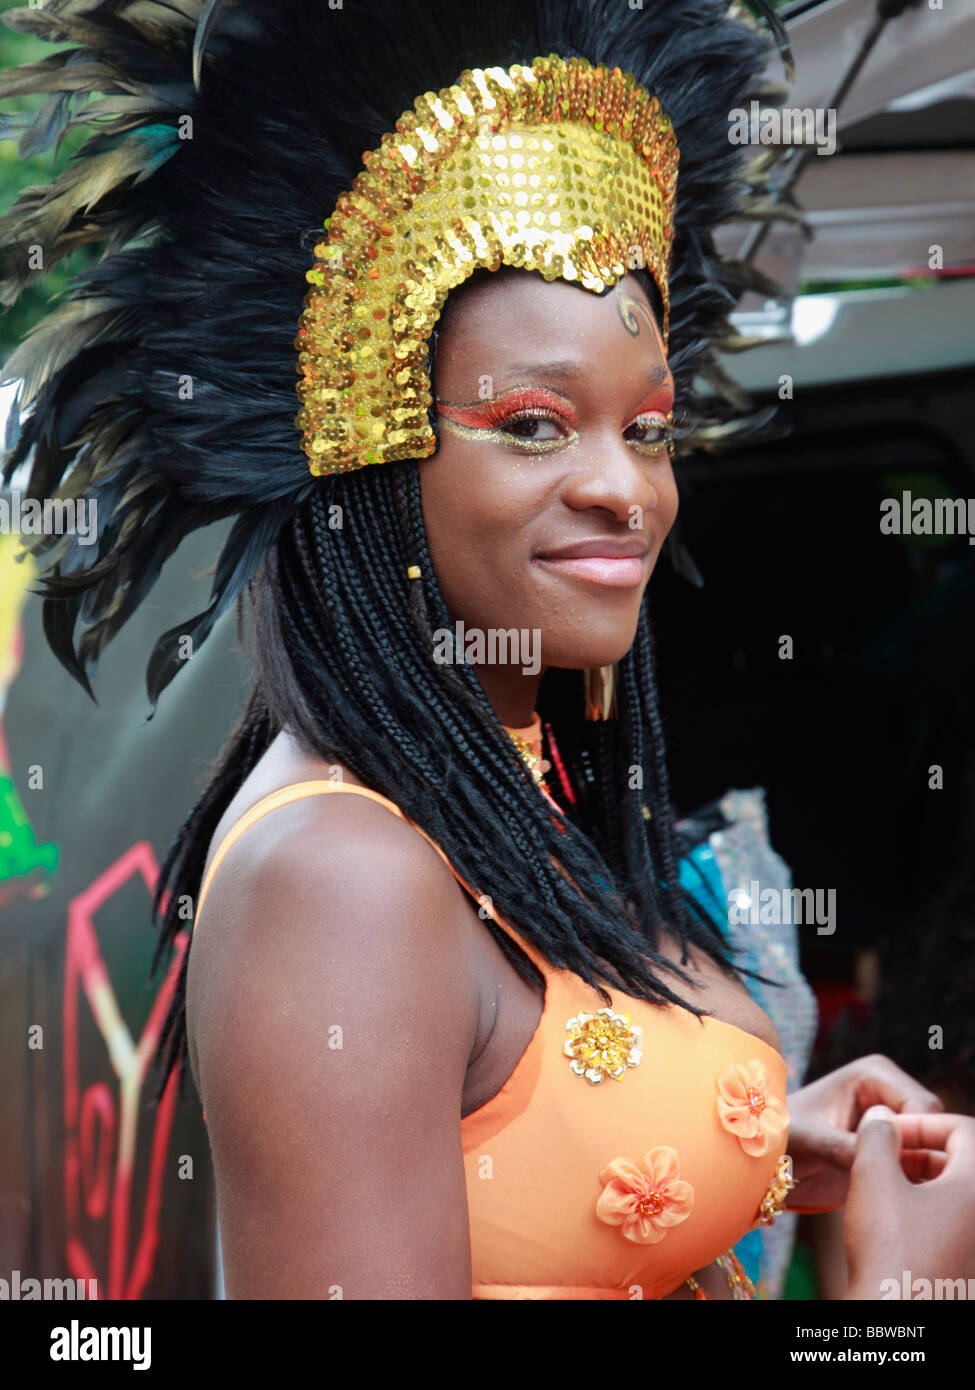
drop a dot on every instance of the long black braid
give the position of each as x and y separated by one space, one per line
200 277
342 643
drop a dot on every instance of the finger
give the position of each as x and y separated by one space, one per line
824 1143
921 1165
910 1131
878 1148
878 1155
952 1134
884 1083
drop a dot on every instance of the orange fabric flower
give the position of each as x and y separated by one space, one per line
746 1108
646 1200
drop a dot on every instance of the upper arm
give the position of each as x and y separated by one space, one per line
331 1001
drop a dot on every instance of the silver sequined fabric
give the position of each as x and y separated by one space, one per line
744 856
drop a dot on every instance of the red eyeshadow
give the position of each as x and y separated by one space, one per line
657 403
489 414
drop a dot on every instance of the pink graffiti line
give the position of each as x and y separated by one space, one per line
87 1159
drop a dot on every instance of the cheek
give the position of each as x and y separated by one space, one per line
463 528
473 496
462 503
475 517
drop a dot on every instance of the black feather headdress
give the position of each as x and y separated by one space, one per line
163 388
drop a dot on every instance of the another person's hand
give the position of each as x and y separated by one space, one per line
897 1231
823 1125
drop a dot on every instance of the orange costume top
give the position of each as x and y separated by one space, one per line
629 1147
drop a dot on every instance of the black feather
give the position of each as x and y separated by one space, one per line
58 617
180 413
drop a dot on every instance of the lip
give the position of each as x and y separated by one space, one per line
599 547
613 562
614 572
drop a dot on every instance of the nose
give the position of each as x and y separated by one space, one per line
611 477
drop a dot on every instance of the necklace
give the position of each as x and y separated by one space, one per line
529 745
528 742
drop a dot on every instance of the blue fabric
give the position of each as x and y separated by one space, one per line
700 875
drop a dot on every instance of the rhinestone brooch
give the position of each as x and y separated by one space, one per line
602 1044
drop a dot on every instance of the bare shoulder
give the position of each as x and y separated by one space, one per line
332 1008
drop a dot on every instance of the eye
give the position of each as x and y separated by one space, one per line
650 433
533 426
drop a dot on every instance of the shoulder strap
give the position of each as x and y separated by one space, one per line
296 792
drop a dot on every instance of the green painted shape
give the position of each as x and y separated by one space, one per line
19 851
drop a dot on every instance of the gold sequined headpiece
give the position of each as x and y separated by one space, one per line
195 251
560 167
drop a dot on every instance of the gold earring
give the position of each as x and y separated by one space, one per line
599 685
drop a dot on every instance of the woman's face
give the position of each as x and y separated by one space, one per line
552 491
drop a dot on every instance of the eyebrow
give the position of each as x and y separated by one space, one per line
573 371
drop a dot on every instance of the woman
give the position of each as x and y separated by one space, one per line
433 840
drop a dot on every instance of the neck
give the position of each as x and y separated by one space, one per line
512 695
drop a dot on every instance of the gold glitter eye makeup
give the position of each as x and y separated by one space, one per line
514 420
506 437
654 435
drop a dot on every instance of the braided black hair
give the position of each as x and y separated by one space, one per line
343 649
203 199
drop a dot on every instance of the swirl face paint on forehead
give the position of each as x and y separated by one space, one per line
628 309
514 419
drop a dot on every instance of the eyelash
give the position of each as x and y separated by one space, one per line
535 446
496 421
667 435
648 448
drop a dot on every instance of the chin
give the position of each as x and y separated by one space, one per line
576 656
